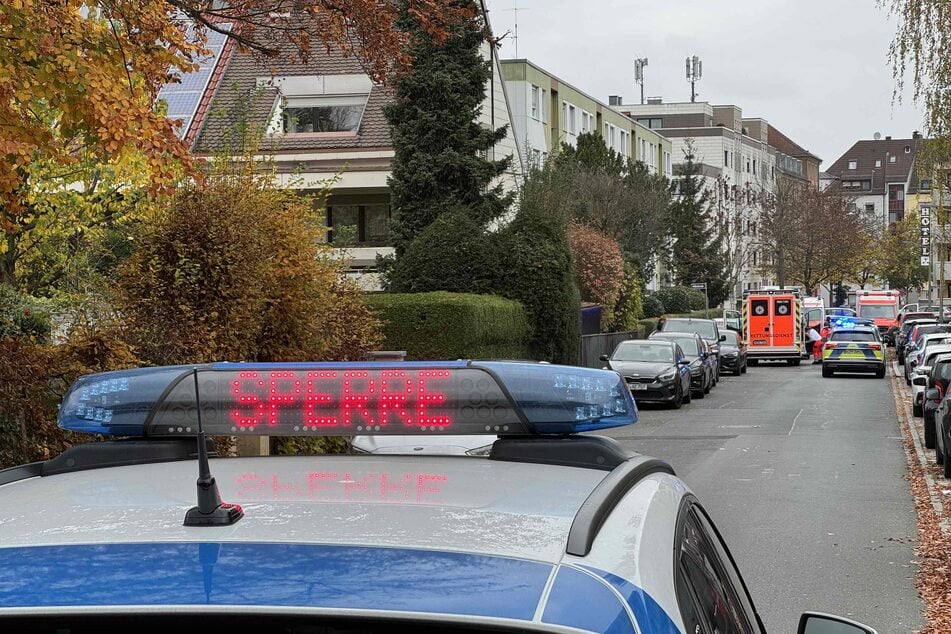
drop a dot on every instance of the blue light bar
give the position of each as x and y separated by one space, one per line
343 399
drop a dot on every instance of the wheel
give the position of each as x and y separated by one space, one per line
743 369
930 435
881 373
916 409
701 393
946 467
738 371
753 362
938 456
688 397
710 385
826 372
796 362
678 399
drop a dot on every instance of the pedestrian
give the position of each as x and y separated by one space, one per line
814 338
823 337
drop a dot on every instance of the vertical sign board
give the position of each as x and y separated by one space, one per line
924 227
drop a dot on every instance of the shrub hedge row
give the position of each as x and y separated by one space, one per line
442 325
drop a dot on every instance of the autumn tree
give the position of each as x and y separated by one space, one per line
900 263
84 76
599 268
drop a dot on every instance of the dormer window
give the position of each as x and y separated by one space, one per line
853 165
327 104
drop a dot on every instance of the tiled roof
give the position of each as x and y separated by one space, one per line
865 153
201 112
238 86
787 146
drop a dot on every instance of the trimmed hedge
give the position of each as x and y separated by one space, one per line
441 325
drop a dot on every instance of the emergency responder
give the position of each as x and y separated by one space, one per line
823 337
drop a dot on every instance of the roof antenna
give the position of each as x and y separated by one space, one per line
211 511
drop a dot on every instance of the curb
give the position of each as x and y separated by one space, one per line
921 453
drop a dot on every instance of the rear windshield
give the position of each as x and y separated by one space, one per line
732 339
705 328
852 335
687 344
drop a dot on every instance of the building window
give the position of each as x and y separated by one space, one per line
668 165
870 209
878 162
726 158
536 102
337 113
747 165
643 155
360 224
544 106
652 123
853 165
892 158
572 120
754 167
925 185
623 143
564 115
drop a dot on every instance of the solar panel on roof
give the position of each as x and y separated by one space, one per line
182 98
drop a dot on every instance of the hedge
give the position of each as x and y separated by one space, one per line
441 325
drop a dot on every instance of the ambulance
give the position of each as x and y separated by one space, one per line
882 307
772 324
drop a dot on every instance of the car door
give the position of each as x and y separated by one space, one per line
712 596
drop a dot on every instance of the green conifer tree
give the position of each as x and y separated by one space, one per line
441 148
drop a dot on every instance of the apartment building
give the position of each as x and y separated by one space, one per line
881 174
324 128
547 112
742 159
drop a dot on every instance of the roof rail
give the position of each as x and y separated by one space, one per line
595 510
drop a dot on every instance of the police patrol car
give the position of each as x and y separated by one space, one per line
553 531
854 345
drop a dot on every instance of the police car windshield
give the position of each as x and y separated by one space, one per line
643 351
852 335
878 311
704 328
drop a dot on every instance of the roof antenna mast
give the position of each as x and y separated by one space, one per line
211 511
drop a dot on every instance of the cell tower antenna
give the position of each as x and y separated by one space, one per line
515 9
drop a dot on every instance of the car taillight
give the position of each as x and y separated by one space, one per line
874 346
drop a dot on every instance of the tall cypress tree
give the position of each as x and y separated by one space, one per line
440 147
696 249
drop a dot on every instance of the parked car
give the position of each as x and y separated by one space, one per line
939 378
919 381
706 328
919 348
654 371
733 353
915 329
905 328
703 363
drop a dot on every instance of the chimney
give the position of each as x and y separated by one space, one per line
916 135
888 138
614 100
655 101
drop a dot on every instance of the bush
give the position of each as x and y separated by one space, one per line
680 299
444 325
653 307
630 303
23 316
536 258
452 254
599 268
235 271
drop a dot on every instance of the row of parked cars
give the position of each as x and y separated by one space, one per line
680 361
923 347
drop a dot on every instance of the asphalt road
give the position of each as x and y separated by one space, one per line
804 478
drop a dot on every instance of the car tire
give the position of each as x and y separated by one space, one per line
743 370
688 397
753 362
931 440
827 372
710 385
938 456
738 371
880 373
678 399
916 410
701 393
946 468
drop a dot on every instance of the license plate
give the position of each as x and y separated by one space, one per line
638 386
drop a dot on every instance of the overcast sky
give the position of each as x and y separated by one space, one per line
815 69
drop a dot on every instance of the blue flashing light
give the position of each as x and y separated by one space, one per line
566 399
342 399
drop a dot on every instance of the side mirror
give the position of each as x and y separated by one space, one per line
722 337
933 394
603 357
684 362
818 623
920 380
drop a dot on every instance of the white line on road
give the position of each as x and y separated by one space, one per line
794 423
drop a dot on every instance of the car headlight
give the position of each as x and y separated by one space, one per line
484 450
731 354
696 370
667 376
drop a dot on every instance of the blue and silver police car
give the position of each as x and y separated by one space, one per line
555 530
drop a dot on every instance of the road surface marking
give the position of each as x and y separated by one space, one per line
794 423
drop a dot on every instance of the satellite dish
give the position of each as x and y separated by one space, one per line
877 136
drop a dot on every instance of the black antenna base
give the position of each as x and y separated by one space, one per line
223 515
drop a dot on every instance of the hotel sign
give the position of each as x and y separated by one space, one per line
924 228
